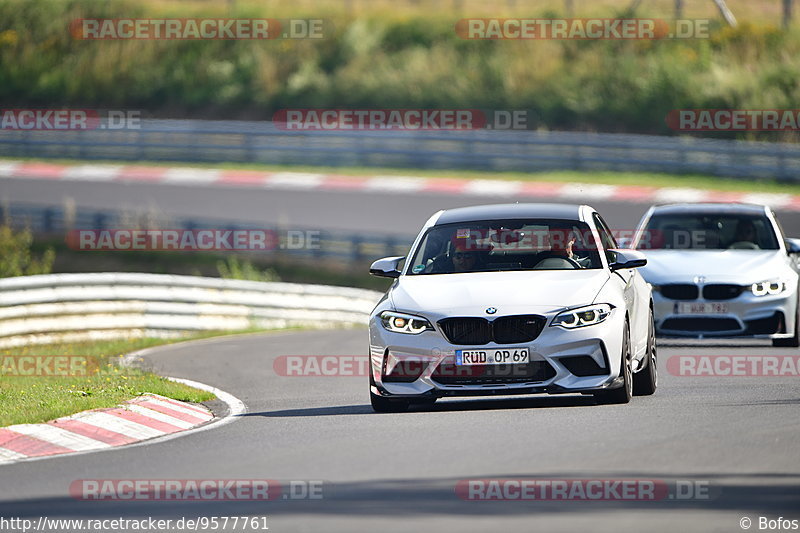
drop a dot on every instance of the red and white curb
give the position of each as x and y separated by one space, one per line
149 418
387 184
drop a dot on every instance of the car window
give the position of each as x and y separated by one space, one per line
708 231
606 237
781 231
506 245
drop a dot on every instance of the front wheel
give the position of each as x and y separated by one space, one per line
624 393
645 381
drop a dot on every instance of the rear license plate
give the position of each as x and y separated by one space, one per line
494 356
701 309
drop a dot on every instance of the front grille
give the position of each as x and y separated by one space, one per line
476 331
468 330
700 324
448 373
680 291
722 292
517 329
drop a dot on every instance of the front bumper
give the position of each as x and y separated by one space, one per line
428 365
747 315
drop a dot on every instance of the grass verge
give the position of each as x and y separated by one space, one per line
35 399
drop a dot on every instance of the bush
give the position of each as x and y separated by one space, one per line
233 268
387 59
16 258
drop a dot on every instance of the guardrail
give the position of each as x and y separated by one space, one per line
75 307
345 247
493 150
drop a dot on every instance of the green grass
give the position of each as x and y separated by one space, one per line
643 179
35 399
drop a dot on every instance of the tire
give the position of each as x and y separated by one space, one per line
792 342
384 405
645 381
624 393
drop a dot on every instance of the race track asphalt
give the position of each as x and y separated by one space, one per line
737 436
734 436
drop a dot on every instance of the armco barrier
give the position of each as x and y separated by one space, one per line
209 141
74 307
338 246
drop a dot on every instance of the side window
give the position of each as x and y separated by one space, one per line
606 238
781 236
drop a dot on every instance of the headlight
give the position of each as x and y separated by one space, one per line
582 316
403 323
770 287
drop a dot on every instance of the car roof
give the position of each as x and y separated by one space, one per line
710 207
510 211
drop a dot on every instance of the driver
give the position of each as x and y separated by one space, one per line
459 256
463 258
745 235
562 245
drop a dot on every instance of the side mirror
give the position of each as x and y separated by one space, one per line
792 246
386 267
626 259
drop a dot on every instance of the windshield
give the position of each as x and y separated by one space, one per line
708 231
506 245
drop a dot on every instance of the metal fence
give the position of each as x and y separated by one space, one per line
76 307
356 248
199 141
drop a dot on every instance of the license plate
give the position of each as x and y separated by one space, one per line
494 356
701 309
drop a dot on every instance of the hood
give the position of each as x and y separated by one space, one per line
540 291
725 266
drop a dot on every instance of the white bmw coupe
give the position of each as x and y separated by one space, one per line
512 299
